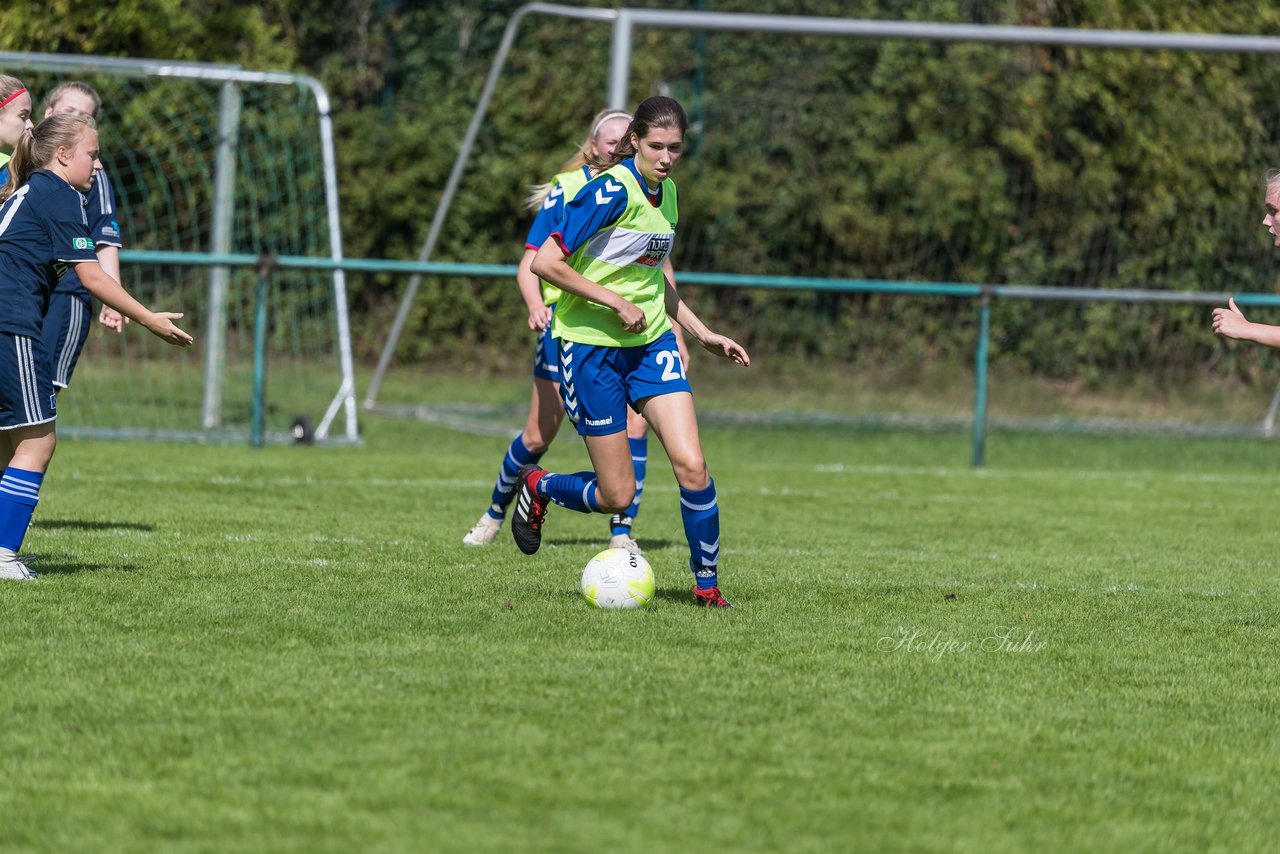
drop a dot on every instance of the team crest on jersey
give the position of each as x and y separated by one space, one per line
82 243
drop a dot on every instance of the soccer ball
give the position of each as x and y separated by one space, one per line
616 579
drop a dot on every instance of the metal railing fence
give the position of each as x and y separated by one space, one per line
985 295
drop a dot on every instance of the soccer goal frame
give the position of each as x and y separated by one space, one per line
214 331
624 23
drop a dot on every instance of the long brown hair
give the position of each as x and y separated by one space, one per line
656 112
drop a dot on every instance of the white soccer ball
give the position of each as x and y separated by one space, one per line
617 578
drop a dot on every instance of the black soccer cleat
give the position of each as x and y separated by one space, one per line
528 510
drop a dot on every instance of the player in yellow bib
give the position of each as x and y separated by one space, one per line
613 321
545 410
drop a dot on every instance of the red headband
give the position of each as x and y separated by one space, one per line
6 101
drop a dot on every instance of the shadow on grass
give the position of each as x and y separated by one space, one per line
59 565
674 595
81 525
646 543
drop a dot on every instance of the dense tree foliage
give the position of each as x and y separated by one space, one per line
895 159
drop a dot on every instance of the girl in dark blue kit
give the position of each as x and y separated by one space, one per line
43 230
66 322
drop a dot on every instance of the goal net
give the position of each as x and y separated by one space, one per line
208 159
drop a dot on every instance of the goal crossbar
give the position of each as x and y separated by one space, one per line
231 76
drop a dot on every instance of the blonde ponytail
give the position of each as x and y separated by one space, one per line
538 192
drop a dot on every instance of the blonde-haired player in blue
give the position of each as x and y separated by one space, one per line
43 227
617 347
66 318
545 409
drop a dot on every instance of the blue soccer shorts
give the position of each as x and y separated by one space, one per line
27 395
546 356
66 328
598 382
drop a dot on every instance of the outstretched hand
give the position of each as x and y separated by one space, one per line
161 324
1230 321
724 346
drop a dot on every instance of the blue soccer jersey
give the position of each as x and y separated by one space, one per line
548 217
103 228
42 225
594 210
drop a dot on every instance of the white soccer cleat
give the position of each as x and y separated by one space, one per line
624 541
483 532
13 569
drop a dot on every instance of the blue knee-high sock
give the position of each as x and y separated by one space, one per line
622 522
504 488
701 516
575 491
19 493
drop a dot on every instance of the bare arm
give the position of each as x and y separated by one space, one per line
112 293
670 270
549 263
712 342
531 291
109 260
1231 323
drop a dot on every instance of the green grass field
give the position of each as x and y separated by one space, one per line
1073 649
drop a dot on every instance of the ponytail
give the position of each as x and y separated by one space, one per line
21 157
538 192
